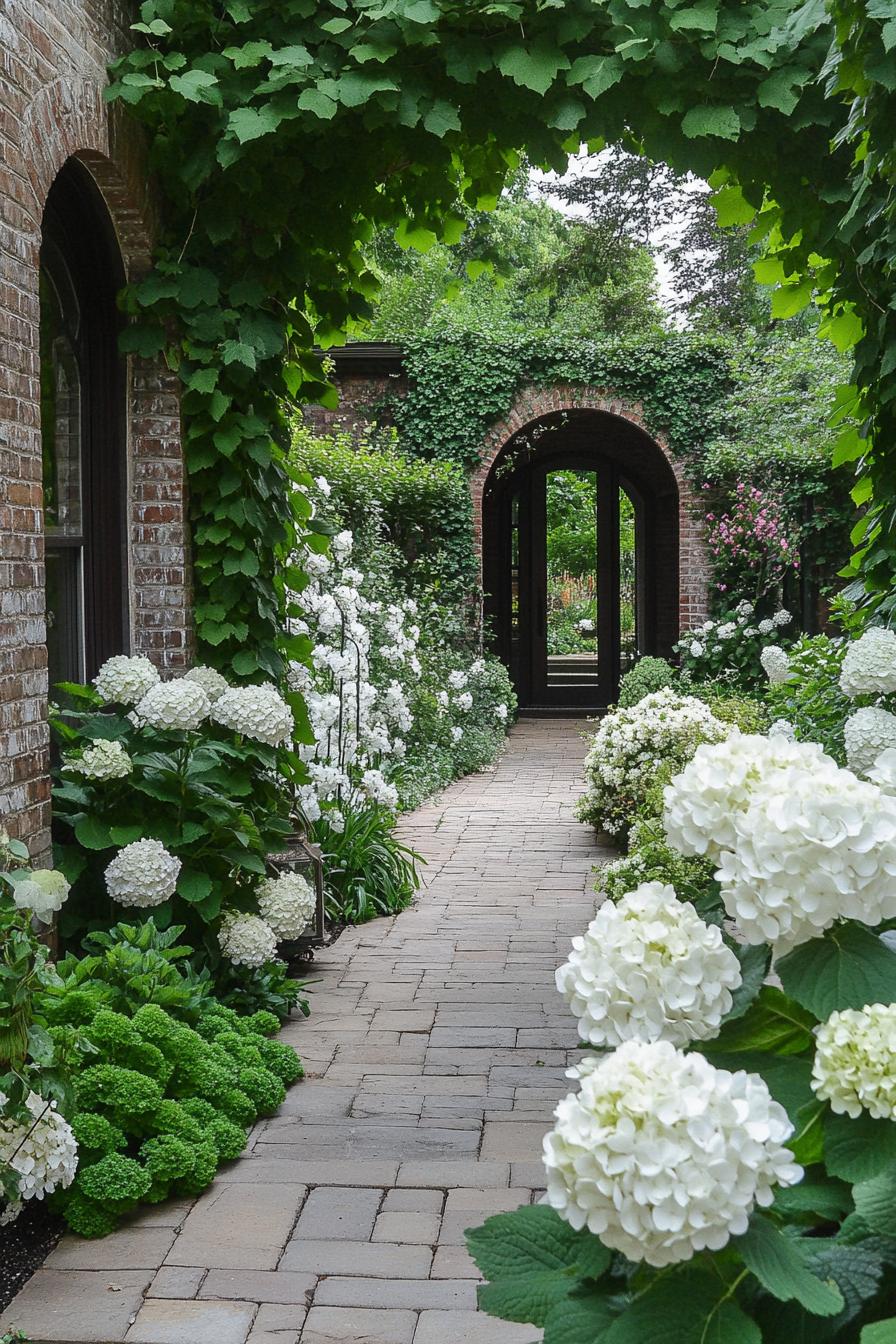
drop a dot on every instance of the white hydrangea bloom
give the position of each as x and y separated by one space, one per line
257 712
44 891
323 486
696 649
179 705
246 940
457 679
782 617
287 903
866 734
783 728
855 1061
661 1155
869 664
775 664
726 630
501 712
143 873
766 627
123 681
648 968
744 608
883 771
43 1153
464 702
719 781
456 733
209 679
813 847
102 760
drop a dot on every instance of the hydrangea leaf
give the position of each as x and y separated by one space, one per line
773 1024
876 1202
780 1267
816 1193
754 964
880 1332
848 968
859 1149
657 1315
93 833
534 1239
578 1319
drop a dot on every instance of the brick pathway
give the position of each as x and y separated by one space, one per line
435 1054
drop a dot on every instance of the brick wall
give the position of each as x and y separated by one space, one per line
53 57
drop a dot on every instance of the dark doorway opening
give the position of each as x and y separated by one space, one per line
83 393
580 557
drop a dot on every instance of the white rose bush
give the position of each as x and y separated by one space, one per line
724 1167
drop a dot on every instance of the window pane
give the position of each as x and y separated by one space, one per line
65 657
628 584
60 388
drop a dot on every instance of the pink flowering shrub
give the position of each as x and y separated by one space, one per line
753 543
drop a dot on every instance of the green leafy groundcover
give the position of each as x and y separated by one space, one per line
284 134
820 1265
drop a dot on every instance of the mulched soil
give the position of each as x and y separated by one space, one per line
24 1245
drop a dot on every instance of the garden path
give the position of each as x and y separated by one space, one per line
435 1054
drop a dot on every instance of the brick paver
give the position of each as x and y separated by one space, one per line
435 1054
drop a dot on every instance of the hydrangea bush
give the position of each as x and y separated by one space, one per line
171 796
723 1169
728 649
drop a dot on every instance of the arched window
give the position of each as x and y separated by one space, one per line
82 429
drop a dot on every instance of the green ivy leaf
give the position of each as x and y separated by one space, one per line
848 968
780 1267
596 74
859 1149
722 122
197 86
251 123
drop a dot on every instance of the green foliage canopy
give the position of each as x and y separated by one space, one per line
285 132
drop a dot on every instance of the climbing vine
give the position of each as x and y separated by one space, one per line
283 132
459 386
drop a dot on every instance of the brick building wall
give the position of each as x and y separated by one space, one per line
53 59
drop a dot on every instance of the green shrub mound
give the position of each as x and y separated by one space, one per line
648 674
166 1104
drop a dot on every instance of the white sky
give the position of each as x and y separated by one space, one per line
583 163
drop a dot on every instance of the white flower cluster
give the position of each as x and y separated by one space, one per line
211 681
718 641
287 904
783 728
42 1152
630 743
775 664
799 842
123 681
855 1061
256 712
869 664
246 940
720 781
661 1155
866 734
180 706
143 873
648 968
43 891
103 759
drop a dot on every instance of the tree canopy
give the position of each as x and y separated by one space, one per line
286 132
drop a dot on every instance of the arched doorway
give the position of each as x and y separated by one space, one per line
580 548
83 428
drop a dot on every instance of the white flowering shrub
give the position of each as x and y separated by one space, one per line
40 1151
246 939
869 664
143 873
662 731
174 801
855 1061
661 1155
725 1083
732 650
867 734
287 904
41 891
775 664
648 968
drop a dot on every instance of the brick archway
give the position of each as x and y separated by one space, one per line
534 406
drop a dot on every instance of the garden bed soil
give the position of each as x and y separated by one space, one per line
24 1245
